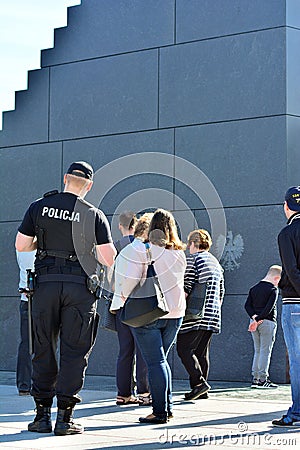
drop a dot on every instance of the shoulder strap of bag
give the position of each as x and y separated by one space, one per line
149 255
196 268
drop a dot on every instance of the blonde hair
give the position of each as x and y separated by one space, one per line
201 238
163 231
274 271
142 225
77 182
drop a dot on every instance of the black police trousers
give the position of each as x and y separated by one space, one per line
66 311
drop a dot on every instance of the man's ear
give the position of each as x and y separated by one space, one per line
89 186
65 178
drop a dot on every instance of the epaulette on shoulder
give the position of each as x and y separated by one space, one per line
47 194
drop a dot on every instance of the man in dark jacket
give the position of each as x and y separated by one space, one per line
289 248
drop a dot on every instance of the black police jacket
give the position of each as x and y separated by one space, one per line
65 223
289 248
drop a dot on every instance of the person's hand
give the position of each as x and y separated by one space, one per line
253 325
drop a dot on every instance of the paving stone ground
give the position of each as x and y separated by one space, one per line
233 417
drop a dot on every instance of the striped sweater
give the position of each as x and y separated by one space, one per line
203 267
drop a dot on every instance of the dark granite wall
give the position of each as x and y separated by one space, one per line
215 82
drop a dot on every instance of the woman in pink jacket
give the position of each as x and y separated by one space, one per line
156 338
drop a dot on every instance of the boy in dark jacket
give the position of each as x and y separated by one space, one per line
261 308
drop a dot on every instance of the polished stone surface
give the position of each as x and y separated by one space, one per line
27 172
206 19
102 28
235 156
28 123
230 78
293 70
102 96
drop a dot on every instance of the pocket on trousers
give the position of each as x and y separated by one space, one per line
84 329
89 332
74 325
39 329
95 329
151 325
295 319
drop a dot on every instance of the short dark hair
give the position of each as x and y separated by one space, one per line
127 219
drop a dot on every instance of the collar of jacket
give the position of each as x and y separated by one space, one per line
294 216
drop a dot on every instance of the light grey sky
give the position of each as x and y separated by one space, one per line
26 27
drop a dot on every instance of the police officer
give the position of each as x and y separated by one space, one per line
70 235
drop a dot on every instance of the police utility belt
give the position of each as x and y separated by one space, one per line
71 274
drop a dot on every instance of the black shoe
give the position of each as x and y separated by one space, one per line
197 391
170 415
266 384
64 423
153 419
42 421
254 383
286 422
203 396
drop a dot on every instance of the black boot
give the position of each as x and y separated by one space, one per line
64 423
42 421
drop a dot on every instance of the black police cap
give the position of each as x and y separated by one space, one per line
81 169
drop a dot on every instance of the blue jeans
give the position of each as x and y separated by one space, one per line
291 329
263 340
24 365
155 341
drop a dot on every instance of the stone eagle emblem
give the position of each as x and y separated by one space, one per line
233 250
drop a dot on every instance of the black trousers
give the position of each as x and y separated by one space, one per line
125 363
68 311
193 350
24 366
